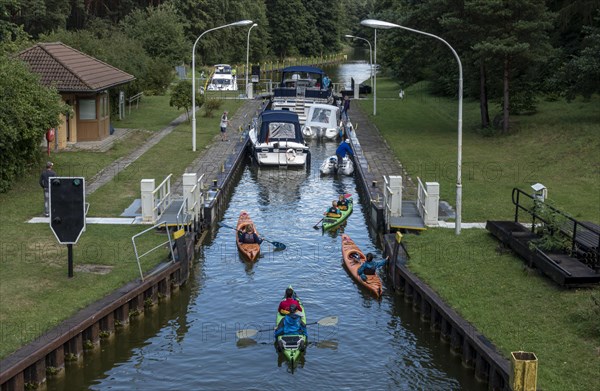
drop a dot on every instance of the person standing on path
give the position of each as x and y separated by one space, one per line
346 107
224 123
45 183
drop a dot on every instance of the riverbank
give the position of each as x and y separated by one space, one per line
516 308
33 266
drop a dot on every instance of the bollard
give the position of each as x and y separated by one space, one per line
524 371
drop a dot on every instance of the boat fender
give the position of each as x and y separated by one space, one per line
290 154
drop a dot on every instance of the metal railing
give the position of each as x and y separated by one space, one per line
192 205
582 236
197 195
183 215
421 197
387 202
161 245
164 198
135 98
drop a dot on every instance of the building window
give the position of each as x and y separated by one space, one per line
87 108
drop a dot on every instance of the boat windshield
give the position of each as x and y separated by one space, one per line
222 81
223 70
282 130
321 115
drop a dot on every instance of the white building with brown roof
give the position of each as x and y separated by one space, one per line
83 83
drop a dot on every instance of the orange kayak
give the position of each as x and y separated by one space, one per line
249 251
353 259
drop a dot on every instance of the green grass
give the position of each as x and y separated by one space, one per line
35 293
515 308
153 113
171 156
558 146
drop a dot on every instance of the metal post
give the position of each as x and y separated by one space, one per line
240 23
387 25
248 55
375 77
70 259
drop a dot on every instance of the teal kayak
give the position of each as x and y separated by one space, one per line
291 342
332 222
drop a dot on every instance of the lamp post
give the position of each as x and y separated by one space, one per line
370 62
248 55
387 25
239 23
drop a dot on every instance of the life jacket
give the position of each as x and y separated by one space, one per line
247 238
333 212
292 325
284 306
368 270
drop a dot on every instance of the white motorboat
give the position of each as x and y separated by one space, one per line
277 140
322 122
222 79
330 166
301 86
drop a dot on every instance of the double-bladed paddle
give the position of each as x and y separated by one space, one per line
249 333
277 245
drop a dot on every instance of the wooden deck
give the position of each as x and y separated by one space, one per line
563 269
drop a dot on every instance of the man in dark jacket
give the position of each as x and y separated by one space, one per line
370 266
342 150
249 236
45 183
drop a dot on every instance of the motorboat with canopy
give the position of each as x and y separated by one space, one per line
277 140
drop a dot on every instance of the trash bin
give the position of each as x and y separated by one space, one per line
524 371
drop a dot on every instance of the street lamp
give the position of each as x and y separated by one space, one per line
248 55
239 23
387 25
370 61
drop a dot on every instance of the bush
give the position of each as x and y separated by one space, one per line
210 105
27 111
158 78
551 237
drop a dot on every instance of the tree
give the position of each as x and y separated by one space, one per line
583 71
37 16
517 38
12 38
107 43
292 29
181 96
161 32
327 17
502 43
27 111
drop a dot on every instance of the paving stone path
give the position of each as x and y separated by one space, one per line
209 161
379 154
109 172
